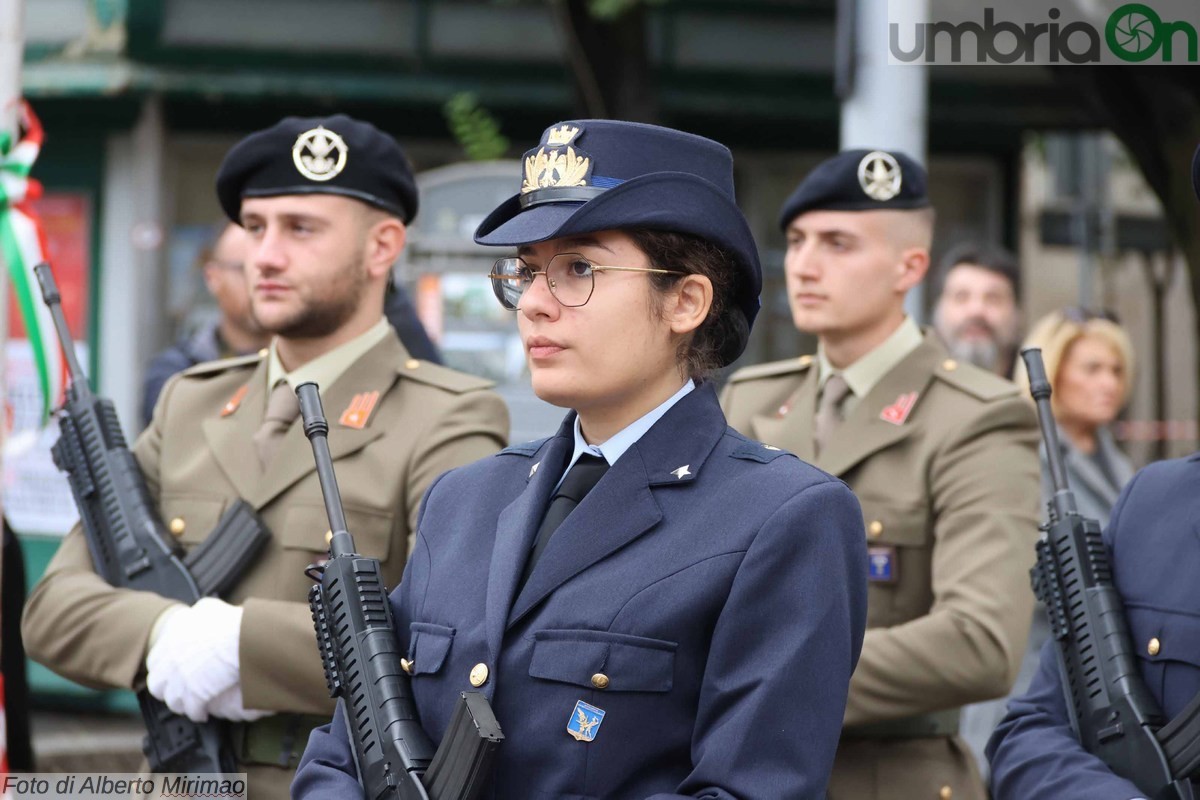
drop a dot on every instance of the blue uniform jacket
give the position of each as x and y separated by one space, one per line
718 583
1152 538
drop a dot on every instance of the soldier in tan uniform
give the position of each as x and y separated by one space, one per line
942 457
325 202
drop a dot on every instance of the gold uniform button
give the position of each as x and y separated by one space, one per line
328 537
875 529
1154 646
479 675
600 680
805 360
263 353
178 526
949 365
406 665
946 793
412 363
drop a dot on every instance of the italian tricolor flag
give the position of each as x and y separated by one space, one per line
23 246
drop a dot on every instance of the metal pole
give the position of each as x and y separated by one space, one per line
888 104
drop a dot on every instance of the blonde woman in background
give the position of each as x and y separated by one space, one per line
1090 360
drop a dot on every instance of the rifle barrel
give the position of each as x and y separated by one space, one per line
53 300
316 428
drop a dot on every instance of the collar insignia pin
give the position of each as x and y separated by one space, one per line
533 469
898 411
232 404
359 411
682 472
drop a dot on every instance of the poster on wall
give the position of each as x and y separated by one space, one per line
37 498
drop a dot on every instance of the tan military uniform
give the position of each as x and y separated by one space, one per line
943 458
198 456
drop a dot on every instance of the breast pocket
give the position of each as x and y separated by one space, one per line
303 540
428 646
190 518
899 558
610 662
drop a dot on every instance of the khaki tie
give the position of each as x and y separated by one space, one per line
829 410
282 410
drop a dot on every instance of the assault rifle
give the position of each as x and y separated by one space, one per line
363 669
131 548
1111 710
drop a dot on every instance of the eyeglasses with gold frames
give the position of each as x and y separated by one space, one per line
570 276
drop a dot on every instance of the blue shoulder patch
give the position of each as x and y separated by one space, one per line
750 450
526 449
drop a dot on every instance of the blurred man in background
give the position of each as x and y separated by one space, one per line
978 313
234 332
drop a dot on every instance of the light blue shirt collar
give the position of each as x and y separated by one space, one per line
621 441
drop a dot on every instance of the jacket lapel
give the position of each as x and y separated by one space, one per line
866 431
622 506
790 426
229 437
375 371
517 528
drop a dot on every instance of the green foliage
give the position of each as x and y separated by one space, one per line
608 10
474 128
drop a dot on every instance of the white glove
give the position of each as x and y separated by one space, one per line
195 657
228 705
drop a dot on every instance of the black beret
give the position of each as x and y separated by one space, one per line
595 175
859 180
319 155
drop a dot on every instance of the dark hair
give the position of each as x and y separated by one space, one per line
991 257
725 328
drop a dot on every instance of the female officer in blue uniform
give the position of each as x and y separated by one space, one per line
655 606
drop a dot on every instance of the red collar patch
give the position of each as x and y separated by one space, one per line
898 411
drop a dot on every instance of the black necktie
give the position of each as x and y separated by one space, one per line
580 479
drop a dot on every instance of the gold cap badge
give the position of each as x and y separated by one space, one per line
550 167
554 169
319 154
879 175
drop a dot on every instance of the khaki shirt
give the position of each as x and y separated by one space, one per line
198 456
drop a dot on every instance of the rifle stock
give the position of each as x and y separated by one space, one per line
360 652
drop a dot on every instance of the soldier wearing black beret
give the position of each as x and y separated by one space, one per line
325 203
942 456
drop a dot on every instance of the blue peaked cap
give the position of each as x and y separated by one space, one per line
593 175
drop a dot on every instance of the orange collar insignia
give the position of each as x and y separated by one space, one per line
232 404
358 413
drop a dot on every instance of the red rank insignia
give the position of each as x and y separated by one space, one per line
232 404
898 411
359 410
